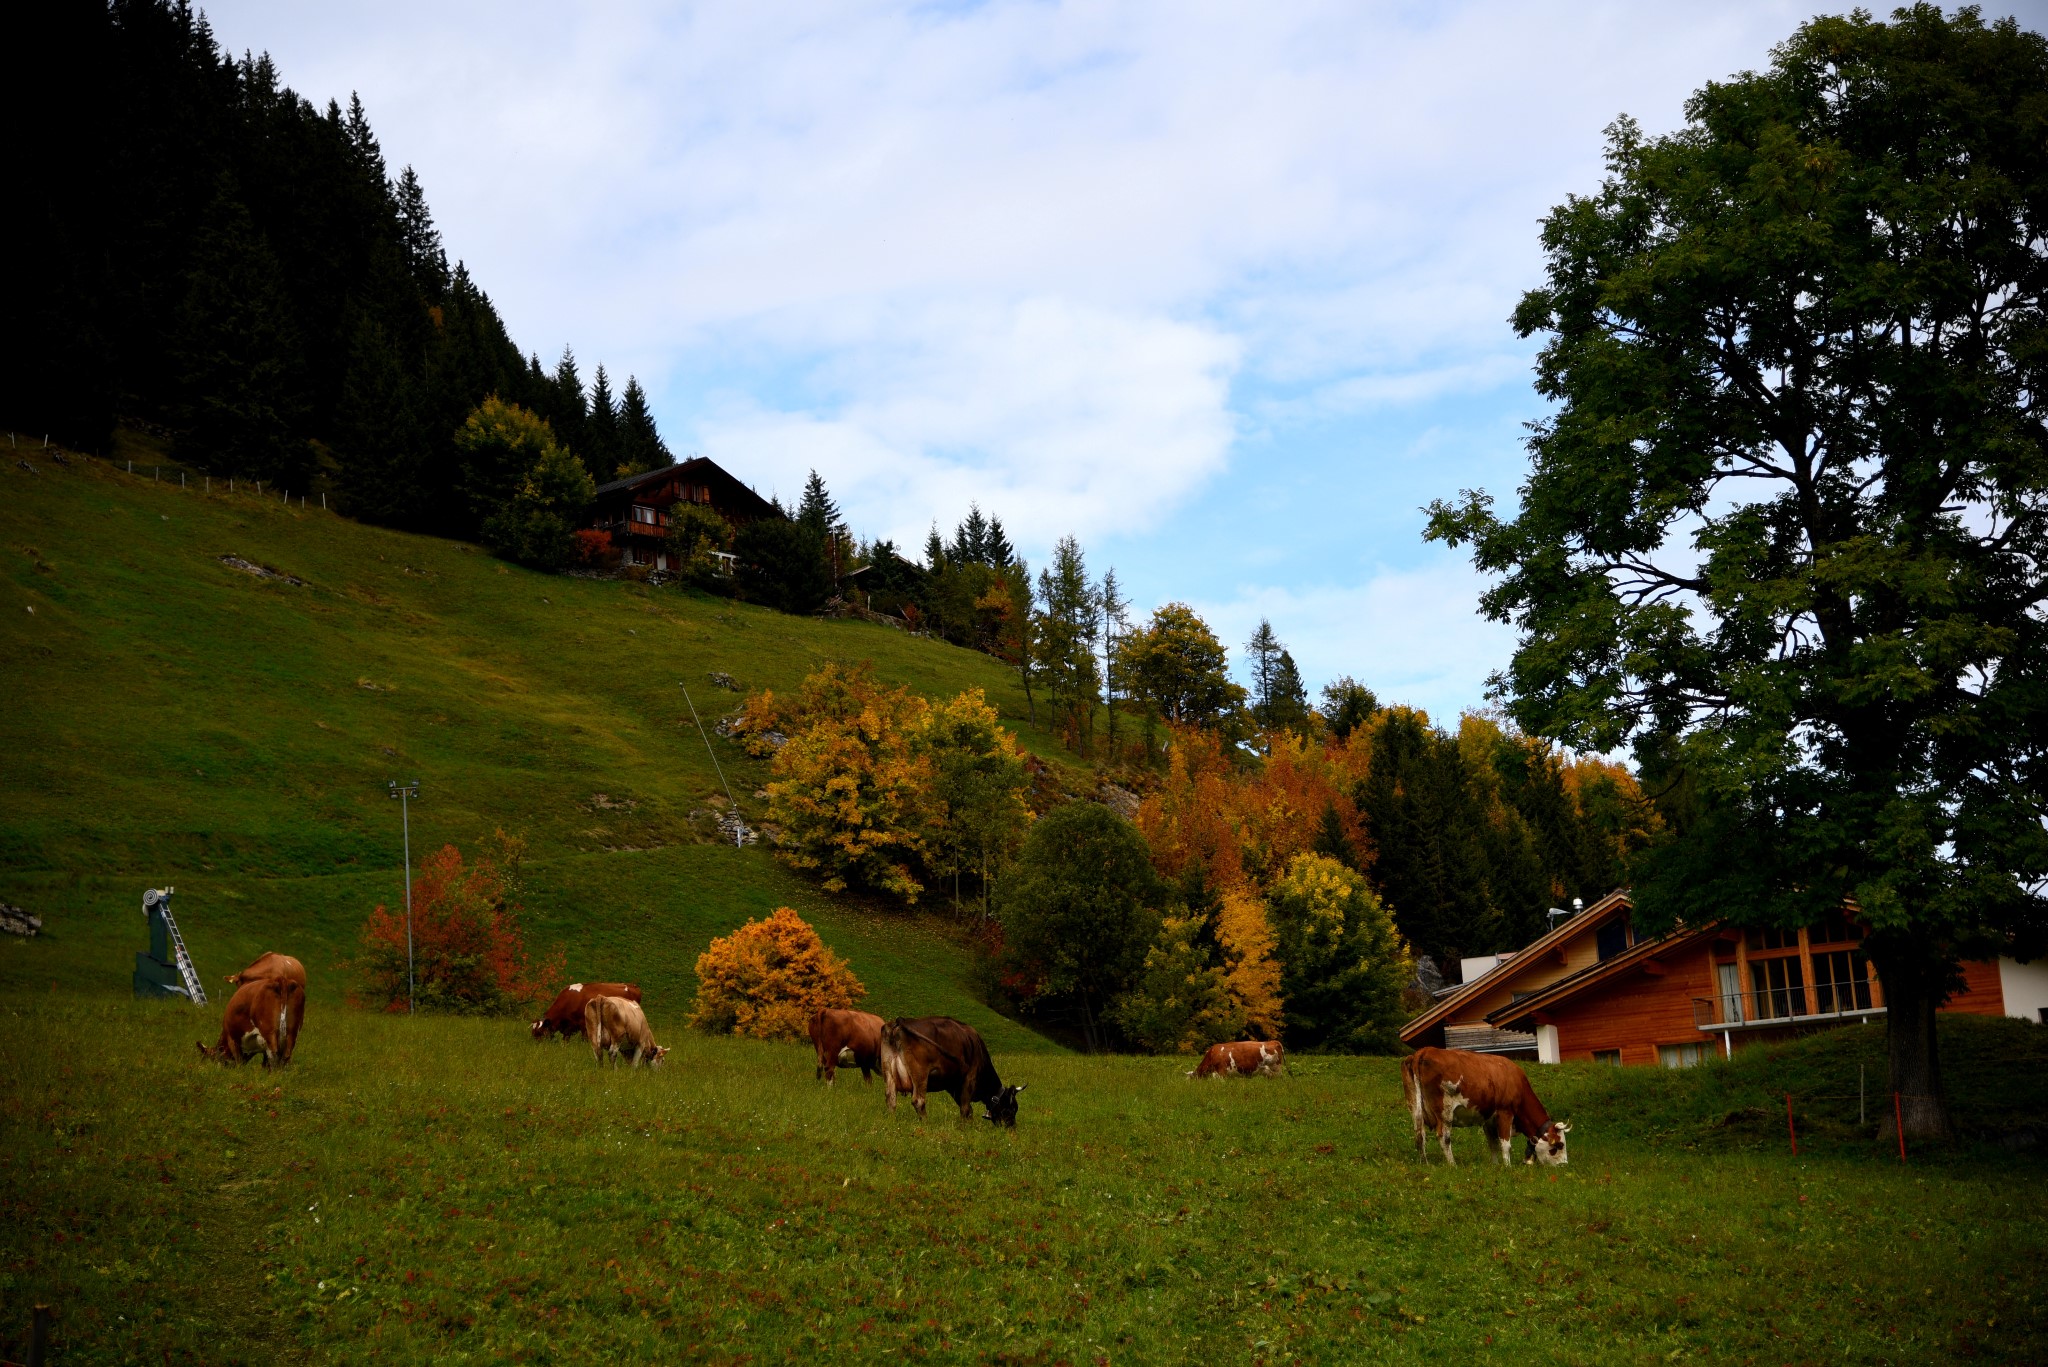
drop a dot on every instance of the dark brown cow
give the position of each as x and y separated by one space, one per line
1242 1058
853 1038
1446 1087
565 1016
283 968
258 1019
939 1053
614 1026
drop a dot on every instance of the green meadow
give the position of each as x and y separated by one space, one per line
438 1190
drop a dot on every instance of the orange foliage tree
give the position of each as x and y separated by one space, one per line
469 955
768 978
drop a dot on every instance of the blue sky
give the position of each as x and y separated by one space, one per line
1219 288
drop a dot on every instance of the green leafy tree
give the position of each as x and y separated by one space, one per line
1343 966
694 532
1347 705
1181 1003
1784 529
1081 910
978 817
1180 669
528 490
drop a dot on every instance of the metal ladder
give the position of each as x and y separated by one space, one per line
193 989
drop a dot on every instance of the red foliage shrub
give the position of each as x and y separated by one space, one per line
469 954
593 547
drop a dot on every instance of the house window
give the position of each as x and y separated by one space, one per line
1612 938
1780 988
1770 937
1611 1057
1683 1055
1833 929
1841 981
643 514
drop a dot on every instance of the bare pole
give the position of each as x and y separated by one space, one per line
405 795
715 766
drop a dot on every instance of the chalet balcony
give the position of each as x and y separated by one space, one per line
1790 1005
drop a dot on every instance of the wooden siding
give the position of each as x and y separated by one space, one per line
1635 1012
1983 994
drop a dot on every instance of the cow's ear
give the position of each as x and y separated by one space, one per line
1019 1087
1564 1127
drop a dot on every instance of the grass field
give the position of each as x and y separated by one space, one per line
447 1191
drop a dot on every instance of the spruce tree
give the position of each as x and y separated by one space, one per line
1263 650
1070 621
934 551
640 445
1286 698
997 550
601 429
1115 624
566 409
970 538
421 239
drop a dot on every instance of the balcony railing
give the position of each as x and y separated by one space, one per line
1785 1005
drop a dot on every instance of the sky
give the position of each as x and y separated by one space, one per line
1220 289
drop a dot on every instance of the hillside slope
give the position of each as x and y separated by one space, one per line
173 719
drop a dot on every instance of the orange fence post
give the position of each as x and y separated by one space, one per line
1789 1127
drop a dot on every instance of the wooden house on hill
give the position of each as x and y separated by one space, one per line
1592 989
636 511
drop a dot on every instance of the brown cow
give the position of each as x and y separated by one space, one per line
565 1016
614 1025
283 968
942 1054
851 1038
258 1017
1446 1087
1242 1058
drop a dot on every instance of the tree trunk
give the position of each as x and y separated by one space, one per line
1915 980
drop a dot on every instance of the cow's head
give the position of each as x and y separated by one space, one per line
540 1028
660 1053
1002 1107
1548 1147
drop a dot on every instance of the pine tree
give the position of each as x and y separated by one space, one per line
970 539
376 434
368 155
817 512
421 239
1263 650
1069 624
1286 706
237 352
934 551
997 549
566 409
601 429
640 445
1115 624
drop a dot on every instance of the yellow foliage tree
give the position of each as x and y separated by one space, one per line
1251 975
768 978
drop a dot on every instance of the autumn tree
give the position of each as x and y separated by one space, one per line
1785 522
1181 1003
466 952
768 978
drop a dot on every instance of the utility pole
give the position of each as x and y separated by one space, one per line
405 794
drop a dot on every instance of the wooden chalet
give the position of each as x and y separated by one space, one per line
1595 991
636 510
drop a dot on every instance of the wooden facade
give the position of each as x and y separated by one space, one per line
1681 998
637 511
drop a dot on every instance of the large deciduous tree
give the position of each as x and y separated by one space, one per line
1785 528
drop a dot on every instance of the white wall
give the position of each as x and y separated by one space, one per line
2025 987
1546 1045
1476 968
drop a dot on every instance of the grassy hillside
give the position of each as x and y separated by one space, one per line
172 719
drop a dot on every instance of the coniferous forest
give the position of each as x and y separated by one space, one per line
208 256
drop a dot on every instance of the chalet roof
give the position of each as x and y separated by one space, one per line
727 490
1642 954
1530 956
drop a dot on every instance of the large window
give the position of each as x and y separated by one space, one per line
1841 981
1684 1055
1780 986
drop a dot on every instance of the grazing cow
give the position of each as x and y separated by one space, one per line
258 1019
939 1053
849 1038
1242 1058
614 1025
1446 1087
283 968
565 1016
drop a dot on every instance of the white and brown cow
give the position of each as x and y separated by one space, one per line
1242 1058
616 1026
846 1039
564 1016
1447 1087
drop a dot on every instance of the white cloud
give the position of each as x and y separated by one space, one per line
1058 417
1414 635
